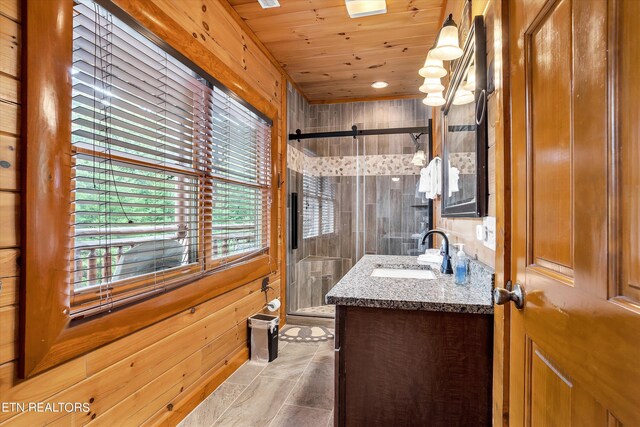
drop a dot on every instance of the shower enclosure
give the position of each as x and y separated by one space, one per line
350 196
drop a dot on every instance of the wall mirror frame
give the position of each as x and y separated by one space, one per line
464 135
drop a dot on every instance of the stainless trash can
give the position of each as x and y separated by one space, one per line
264 337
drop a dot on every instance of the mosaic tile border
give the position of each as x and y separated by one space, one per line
376 165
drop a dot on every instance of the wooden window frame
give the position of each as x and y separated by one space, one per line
48 335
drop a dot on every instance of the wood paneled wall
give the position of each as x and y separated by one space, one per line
9 170
156 375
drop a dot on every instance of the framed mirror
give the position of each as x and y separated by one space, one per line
464 118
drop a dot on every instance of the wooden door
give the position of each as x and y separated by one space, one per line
575 346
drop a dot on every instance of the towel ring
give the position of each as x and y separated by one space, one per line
482 102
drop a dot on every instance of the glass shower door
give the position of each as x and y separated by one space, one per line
325 239
353 197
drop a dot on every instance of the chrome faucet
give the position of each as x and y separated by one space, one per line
446 259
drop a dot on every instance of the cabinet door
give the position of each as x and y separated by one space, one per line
339 384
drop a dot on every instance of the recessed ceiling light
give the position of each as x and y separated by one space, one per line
379 85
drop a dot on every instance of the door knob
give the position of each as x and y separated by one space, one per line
502 296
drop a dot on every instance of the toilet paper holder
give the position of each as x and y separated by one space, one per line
272 305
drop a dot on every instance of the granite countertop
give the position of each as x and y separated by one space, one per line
358 288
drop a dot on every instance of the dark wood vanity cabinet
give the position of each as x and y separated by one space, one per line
412 368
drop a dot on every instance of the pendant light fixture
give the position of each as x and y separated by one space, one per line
431 84
434 99
470 83
360 8
463 96
433 68
447 47
419 158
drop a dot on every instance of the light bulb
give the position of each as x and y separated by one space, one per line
434 99
431 84
433 68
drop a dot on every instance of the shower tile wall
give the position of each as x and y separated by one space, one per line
374 211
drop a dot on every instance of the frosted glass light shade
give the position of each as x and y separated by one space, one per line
462 97
433 68
419 158
470 84
448 47
434 99
360 8
431 84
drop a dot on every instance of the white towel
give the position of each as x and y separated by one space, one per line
430 179
454 176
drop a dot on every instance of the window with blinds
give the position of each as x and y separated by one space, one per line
319 206
240 179
311 205
171 175
327 207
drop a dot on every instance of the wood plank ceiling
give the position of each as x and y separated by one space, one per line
332 57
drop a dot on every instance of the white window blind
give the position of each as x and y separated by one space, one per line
327 209
311 212
240 179
319 206
169 172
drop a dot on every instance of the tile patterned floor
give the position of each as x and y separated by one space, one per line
294 390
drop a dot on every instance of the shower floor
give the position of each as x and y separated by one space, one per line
324 310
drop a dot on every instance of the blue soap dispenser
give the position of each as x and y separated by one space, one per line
462 266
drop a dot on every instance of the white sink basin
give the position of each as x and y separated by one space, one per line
396 273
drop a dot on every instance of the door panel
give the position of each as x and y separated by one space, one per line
556 402
630 147
551 192
551 393
575 240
